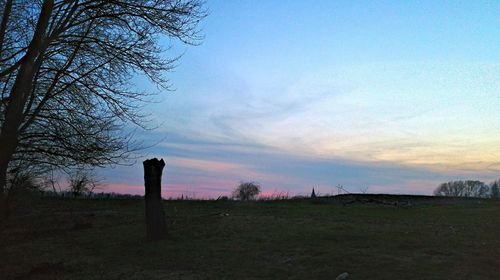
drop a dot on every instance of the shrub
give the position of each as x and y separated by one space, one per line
246 191
22 182
82 182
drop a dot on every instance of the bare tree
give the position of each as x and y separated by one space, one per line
51 180
65 69
467 188
495 189
246 191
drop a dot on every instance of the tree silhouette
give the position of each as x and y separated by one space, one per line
495 189
247 191
466 188
65 69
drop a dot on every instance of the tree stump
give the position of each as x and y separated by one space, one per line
155 217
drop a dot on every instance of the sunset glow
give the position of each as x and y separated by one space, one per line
395 96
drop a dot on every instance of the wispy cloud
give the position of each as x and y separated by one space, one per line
206 168
374 102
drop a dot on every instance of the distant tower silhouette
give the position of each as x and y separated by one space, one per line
313 194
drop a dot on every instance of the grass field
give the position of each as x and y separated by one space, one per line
420 238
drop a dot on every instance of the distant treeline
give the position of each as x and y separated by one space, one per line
100 195
469 188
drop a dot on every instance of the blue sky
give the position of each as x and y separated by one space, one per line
396 96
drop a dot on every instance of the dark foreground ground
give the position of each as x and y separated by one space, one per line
370 237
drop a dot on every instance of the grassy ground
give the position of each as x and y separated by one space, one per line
304 239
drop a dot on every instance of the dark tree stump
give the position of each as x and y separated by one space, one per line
155 217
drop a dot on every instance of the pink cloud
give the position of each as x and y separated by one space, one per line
207 189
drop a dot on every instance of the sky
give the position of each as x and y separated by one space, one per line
384 96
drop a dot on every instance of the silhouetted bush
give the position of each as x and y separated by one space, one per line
22 182
246 191
82 182
467 188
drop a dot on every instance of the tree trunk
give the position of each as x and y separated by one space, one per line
4 206
13 117
155 217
